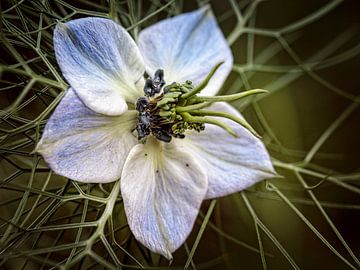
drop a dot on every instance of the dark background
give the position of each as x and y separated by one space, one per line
306 53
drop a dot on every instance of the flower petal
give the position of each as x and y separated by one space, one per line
85 146
162 187
101 62
187 47
232 164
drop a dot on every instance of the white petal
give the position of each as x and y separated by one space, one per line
232 164
85 146
187 47
162 188
101 62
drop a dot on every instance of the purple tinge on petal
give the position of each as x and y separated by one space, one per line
232 164
162 187
101 62
187 47
86 146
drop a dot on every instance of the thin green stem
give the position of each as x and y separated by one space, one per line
202 229
253 215
272 187
327 218
34 76
112 10
316 174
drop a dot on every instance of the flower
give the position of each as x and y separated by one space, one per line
164 179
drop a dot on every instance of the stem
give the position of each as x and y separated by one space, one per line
34 76
203 119
229 97
203 84
112 10
236 119
110 204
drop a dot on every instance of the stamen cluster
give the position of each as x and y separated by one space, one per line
158 116
167 112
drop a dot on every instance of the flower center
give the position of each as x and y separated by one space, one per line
158 115
169 111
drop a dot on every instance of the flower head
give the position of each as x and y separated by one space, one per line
160 136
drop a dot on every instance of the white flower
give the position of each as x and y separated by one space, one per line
90 136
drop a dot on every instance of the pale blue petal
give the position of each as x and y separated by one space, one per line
162 187
187 47
85 146
232 164
101 62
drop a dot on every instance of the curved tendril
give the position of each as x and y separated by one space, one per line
228 98
193 107
234 118
208 120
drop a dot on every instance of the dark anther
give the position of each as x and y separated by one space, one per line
143 126
161 134
142 104
142 131
154 85
148 88
180 136
145 118
158 80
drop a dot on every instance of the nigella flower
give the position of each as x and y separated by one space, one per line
162 136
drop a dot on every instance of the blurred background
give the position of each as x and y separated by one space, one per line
306 53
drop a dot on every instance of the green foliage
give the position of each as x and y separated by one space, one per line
308 219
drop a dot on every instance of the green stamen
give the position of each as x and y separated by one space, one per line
229 97
234 118
193 107
178 108
207 120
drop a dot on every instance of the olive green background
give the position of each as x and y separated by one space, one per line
306 53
